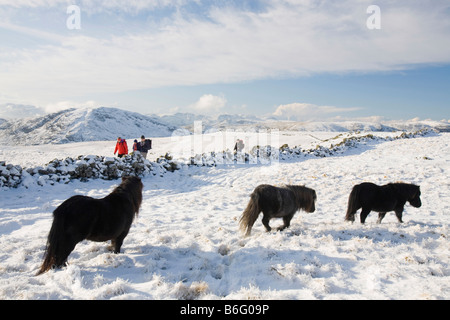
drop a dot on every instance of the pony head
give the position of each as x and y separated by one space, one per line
414 200
306 197
132 187
312 205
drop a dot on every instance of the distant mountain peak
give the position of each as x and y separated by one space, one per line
82 124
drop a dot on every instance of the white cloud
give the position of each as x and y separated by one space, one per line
307 111
129 5
12 111
209 103
226 44
63 105
33 32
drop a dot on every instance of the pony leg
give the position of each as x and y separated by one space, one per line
380 217
399 214
287 222
364 214
63 254
116 244
265 222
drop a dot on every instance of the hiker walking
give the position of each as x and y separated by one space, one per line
121 147
239 146
144 146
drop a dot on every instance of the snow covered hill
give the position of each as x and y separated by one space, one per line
77 125
100 124
186 243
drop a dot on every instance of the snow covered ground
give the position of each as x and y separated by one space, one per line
186 242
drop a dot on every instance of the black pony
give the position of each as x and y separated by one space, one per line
276 202
390 197
82 217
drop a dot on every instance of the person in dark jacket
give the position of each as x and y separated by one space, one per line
144 146
239 145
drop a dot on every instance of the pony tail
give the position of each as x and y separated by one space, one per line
54 238
250 214
353 204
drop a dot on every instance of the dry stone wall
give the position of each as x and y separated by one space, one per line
110 168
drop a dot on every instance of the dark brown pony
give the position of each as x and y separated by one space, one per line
82 217
276 202
382 199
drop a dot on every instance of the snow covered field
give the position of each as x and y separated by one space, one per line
186 243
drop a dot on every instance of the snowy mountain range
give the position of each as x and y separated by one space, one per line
100 124
251 123
77 125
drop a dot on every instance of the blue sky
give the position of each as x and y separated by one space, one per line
291 59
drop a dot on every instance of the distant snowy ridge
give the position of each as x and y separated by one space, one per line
77 125
104 124
251 123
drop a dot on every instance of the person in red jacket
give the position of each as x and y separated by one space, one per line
122 147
